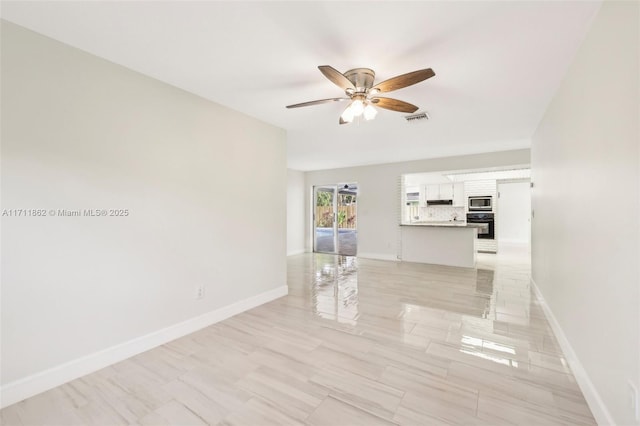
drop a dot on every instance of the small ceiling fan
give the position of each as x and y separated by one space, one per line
358 86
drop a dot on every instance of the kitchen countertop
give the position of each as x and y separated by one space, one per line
446 224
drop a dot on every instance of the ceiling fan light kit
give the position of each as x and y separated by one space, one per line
358 86
370 112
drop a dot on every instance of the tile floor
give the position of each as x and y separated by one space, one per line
356 342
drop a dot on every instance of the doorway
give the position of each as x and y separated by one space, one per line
514 213
335 219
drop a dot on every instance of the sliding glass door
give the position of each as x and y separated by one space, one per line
324 228
334 219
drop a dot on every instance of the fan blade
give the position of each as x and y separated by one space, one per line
394 104
321 101
341 121
336 77
404 80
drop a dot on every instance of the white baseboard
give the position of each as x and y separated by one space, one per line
37 383
595 402
294 252
379 256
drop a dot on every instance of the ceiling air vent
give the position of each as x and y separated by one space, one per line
414 118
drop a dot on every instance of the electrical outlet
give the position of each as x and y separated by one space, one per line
200 291
633 399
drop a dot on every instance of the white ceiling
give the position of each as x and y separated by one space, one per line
497 64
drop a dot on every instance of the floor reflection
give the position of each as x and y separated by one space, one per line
486 312
347 241
470 293
334 293
486 349
493 358
484 281
399 322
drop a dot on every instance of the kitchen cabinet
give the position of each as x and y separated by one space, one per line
458 195
446 191
432 192
447 245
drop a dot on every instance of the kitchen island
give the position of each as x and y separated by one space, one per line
441 243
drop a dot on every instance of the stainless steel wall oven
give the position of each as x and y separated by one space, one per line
486 232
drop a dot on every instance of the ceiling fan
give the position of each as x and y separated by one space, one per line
358 86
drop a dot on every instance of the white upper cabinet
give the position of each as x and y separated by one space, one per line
446 191
458 195
432 192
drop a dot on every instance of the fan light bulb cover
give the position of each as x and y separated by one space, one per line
348 115
370 112
357 107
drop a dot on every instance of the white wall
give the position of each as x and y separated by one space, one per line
295 211
417 179
513 213
379 194
79 132
585 201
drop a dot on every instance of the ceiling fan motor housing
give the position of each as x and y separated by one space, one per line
362 78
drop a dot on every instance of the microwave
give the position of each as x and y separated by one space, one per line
481 204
